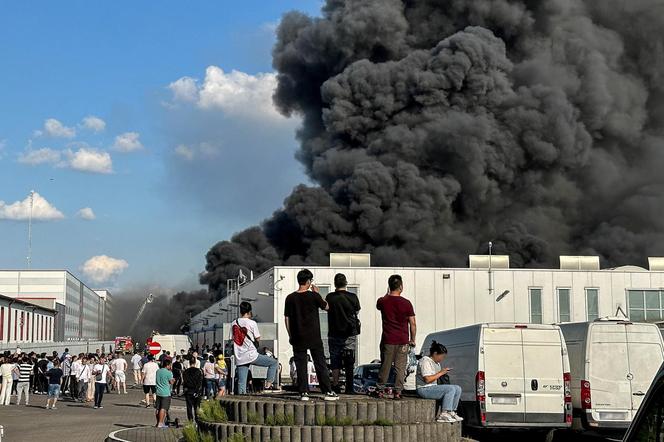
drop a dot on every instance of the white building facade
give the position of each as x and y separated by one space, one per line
23 322
446 298
77 306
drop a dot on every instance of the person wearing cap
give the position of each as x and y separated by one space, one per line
245 336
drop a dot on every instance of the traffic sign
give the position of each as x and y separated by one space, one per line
154 348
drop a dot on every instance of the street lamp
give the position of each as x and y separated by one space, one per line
32 203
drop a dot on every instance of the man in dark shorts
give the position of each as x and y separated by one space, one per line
303 326
399 331
149 380
344 326
164 381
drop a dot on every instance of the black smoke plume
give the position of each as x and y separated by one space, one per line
433 126
166 314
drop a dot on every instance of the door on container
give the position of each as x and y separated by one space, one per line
503 372
644 350
543 375
608 368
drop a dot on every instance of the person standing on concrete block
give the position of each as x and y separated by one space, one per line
303 326
399 330
343 328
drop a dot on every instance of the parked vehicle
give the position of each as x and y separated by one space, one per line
365 378
512 375
124 344
612 363
648 424
173 343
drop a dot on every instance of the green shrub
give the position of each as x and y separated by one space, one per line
330 421
280 420
237 437
383 422
211 411
191 434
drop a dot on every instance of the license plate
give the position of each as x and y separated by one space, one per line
603 415
504 400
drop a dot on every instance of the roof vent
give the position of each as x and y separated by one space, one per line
483 261
350 260
579 263
656 263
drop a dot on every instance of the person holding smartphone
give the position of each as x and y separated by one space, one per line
433 383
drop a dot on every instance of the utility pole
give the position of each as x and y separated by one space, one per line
32 203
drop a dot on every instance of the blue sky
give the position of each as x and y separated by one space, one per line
183 150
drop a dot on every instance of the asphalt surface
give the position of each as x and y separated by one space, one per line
79 422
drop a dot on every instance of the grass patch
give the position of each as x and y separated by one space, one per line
191 434
383 423
280 420
330 421
211 411
237 437
254 418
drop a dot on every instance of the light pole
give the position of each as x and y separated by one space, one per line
32 203
490 281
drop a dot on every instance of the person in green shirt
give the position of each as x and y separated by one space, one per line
164 382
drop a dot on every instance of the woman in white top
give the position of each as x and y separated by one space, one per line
428 376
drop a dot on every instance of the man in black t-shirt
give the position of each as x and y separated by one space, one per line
343 328
303 326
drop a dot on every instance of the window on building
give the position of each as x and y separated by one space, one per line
564 310
592 304
646 305
535 306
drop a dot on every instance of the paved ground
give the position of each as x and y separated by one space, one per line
77 422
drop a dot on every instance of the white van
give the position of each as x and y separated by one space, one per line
173 343
512 375
612 364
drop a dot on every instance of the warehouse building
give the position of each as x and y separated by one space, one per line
444 298
81 313
22 322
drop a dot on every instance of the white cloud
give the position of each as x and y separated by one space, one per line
42 210
235 93
127 142
185 152
54 128
93 123
102 268
184 89
44 155
86 213
89 160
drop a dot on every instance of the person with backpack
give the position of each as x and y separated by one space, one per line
246 337
343 328
192 384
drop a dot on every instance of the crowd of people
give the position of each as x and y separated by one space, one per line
199 374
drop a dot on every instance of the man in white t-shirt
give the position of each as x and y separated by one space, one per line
119 367
149 380
100 371
245 336
136 366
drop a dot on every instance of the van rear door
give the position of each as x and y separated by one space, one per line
543 375
644 349
503 371
609 368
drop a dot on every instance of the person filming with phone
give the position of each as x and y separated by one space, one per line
433 382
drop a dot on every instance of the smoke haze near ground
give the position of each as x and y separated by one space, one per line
166 314
431 127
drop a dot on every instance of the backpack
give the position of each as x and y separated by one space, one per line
240 334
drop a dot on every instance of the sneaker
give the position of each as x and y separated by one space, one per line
53 408
162 426
455 416
331 396
100 407
95 407
445 417
304 397
46 407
